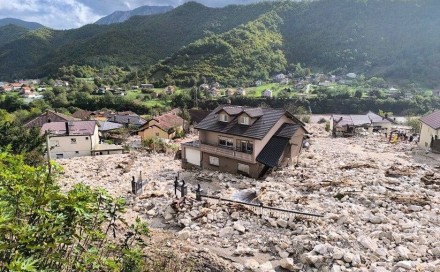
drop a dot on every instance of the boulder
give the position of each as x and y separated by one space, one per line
287 263
239 227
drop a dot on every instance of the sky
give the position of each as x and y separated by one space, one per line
66 14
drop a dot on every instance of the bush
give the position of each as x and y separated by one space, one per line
306 119
322 121
327 126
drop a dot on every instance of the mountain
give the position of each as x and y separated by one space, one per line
18 22
122 16
395 39
9 33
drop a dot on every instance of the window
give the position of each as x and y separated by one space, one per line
87 138
213 161
59 156
73 140
244 168
244 120
76 152
157 134
223 117
226 142
246 146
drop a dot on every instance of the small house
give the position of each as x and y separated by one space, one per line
267 93
165 126
430 131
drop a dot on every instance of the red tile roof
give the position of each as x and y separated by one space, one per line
165 122
432 120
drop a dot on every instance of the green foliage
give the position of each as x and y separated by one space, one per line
414 123
247 52
158 145
327 126
43 229
306 119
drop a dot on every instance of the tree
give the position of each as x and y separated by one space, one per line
43 229
358 93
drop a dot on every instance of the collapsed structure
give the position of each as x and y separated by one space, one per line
244 140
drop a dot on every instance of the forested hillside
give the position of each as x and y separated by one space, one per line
397 40
249 51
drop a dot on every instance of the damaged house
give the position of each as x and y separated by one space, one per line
244 140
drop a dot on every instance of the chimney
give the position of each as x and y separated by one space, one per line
67 128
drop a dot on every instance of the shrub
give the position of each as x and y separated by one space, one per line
306 119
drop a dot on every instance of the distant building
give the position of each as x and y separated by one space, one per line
147 86
76 139
430 131
48 117
267 93
164 126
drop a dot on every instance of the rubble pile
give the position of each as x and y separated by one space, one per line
381 208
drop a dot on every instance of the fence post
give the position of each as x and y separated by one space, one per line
183 189
133 185
176 184
199 193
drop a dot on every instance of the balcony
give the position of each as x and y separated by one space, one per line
227 152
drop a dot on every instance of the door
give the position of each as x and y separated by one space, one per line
192 156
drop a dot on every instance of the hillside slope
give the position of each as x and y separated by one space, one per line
18 22
122 16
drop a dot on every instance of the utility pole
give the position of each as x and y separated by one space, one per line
48 153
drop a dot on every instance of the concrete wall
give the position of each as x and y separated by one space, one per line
63 146
426 133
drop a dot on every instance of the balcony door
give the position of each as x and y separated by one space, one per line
246 146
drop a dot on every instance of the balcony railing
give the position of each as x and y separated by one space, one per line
227 152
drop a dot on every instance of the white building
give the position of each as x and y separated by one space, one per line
76 139
267 93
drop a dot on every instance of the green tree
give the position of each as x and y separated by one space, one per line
43 229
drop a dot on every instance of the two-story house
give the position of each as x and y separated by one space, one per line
244 140
76 139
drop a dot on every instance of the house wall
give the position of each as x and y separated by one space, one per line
426 133
229 165
95 138
296 143
154 131
62 145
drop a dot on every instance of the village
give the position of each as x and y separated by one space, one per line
260 190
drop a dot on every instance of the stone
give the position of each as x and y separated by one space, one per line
335 268
185 221
403 264
239 227
375 219
368 243
169 213
338 254
288 264
348 257
283 254
266 267
235 215
282 223
226 231
184 234
403 252
251 264
415 208
321 249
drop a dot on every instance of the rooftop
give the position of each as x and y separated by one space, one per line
432 120
75 128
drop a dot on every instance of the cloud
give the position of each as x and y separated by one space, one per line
64 14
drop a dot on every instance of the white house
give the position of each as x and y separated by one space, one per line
267 93
430 129
75 139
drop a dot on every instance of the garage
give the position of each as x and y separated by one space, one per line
192 156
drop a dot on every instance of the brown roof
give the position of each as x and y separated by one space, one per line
198 115
432 120
47 117
82 114
76 128
165 122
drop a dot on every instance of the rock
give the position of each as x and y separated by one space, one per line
251 264
403 264
169 213
335 268
287 263
184 234
235 215
348 257
436 251
282 223
321 249
266 267
375 219
311 259
415 208
337 254
283 254
403 252
239 227
226 231
367 243
185 221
